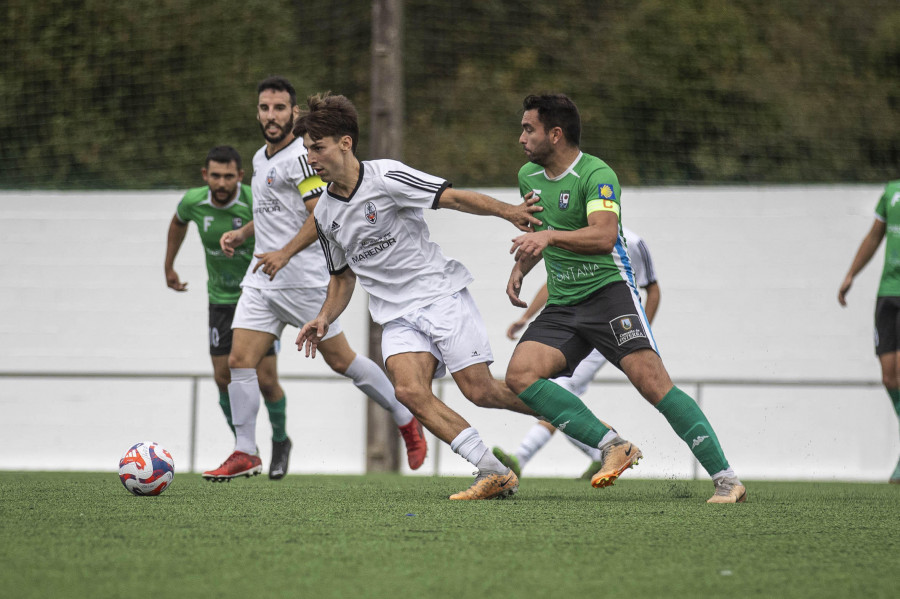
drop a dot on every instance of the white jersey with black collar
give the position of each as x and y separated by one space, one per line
280 185
380 233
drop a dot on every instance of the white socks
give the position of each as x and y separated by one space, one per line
470 447
244 393
592 452
536 437
370 379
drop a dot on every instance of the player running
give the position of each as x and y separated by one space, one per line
285 283
372 228
593 301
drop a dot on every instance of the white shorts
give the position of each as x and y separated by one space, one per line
451 328
583 374
269 310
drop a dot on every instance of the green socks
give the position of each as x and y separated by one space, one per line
278 418
688 421
565 411
225 404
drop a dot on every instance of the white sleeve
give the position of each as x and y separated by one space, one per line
644 272
335 258
411 188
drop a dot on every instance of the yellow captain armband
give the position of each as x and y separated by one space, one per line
603 204
309 184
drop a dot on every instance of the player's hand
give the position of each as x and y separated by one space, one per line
310 335
842 292
513 287
229 241
173 282
271 262
521 215
530 245
515 328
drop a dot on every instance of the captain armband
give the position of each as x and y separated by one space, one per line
602 204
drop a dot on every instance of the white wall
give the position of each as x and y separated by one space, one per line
748 276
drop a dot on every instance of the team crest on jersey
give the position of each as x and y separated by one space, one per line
606 191
371 213
270 178
564 199
627 327
237 222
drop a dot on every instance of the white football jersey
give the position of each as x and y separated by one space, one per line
280 185
641 262
380 233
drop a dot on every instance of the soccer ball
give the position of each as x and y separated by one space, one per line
147 469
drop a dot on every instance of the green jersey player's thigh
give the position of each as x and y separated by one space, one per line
269 310
450 328
220 333
612 321
887 324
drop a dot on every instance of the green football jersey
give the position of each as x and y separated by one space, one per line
589 184
225 274
888 210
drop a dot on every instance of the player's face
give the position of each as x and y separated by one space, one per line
275 115
534 139
223 180
326 156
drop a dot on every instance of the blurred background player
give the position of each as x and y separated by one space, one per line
539 434
285 192
222 205
887 306
371 225
592 303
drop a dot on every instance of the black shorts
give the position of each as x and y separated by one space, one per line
887 325
611 320
220 335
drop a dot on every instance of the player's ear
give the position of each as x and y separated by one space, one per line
205 174
240 175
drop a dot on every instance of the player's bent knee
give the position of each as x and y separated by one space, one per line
518 381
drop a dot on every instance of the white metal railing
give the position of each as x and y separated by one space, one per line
699 384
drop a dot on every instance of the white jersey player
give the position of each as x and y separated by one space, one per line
371 226
286 284
539 435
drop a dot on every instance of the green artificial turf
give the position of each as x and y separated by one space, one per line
84 535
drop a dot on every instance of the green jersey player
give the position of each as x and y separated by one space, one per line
224 204
593 300
887 306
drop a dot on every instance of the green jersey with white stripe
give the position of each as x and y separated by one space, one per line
888 211
225 274
589 184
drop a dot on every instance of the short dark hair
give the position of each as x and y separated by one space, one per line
223 154
557 110
329 116
279 84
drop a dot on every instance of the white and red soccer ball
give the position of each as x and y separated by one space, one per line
147 469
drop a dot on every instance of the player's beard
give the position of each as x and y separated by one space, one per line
284 130
540 154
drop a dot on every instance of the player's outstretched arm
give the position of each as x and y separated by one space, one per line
340 290
465 200
865 252
272 262
231 240
177 232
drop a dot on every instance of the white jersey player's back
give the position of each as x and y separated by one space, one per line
281 184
